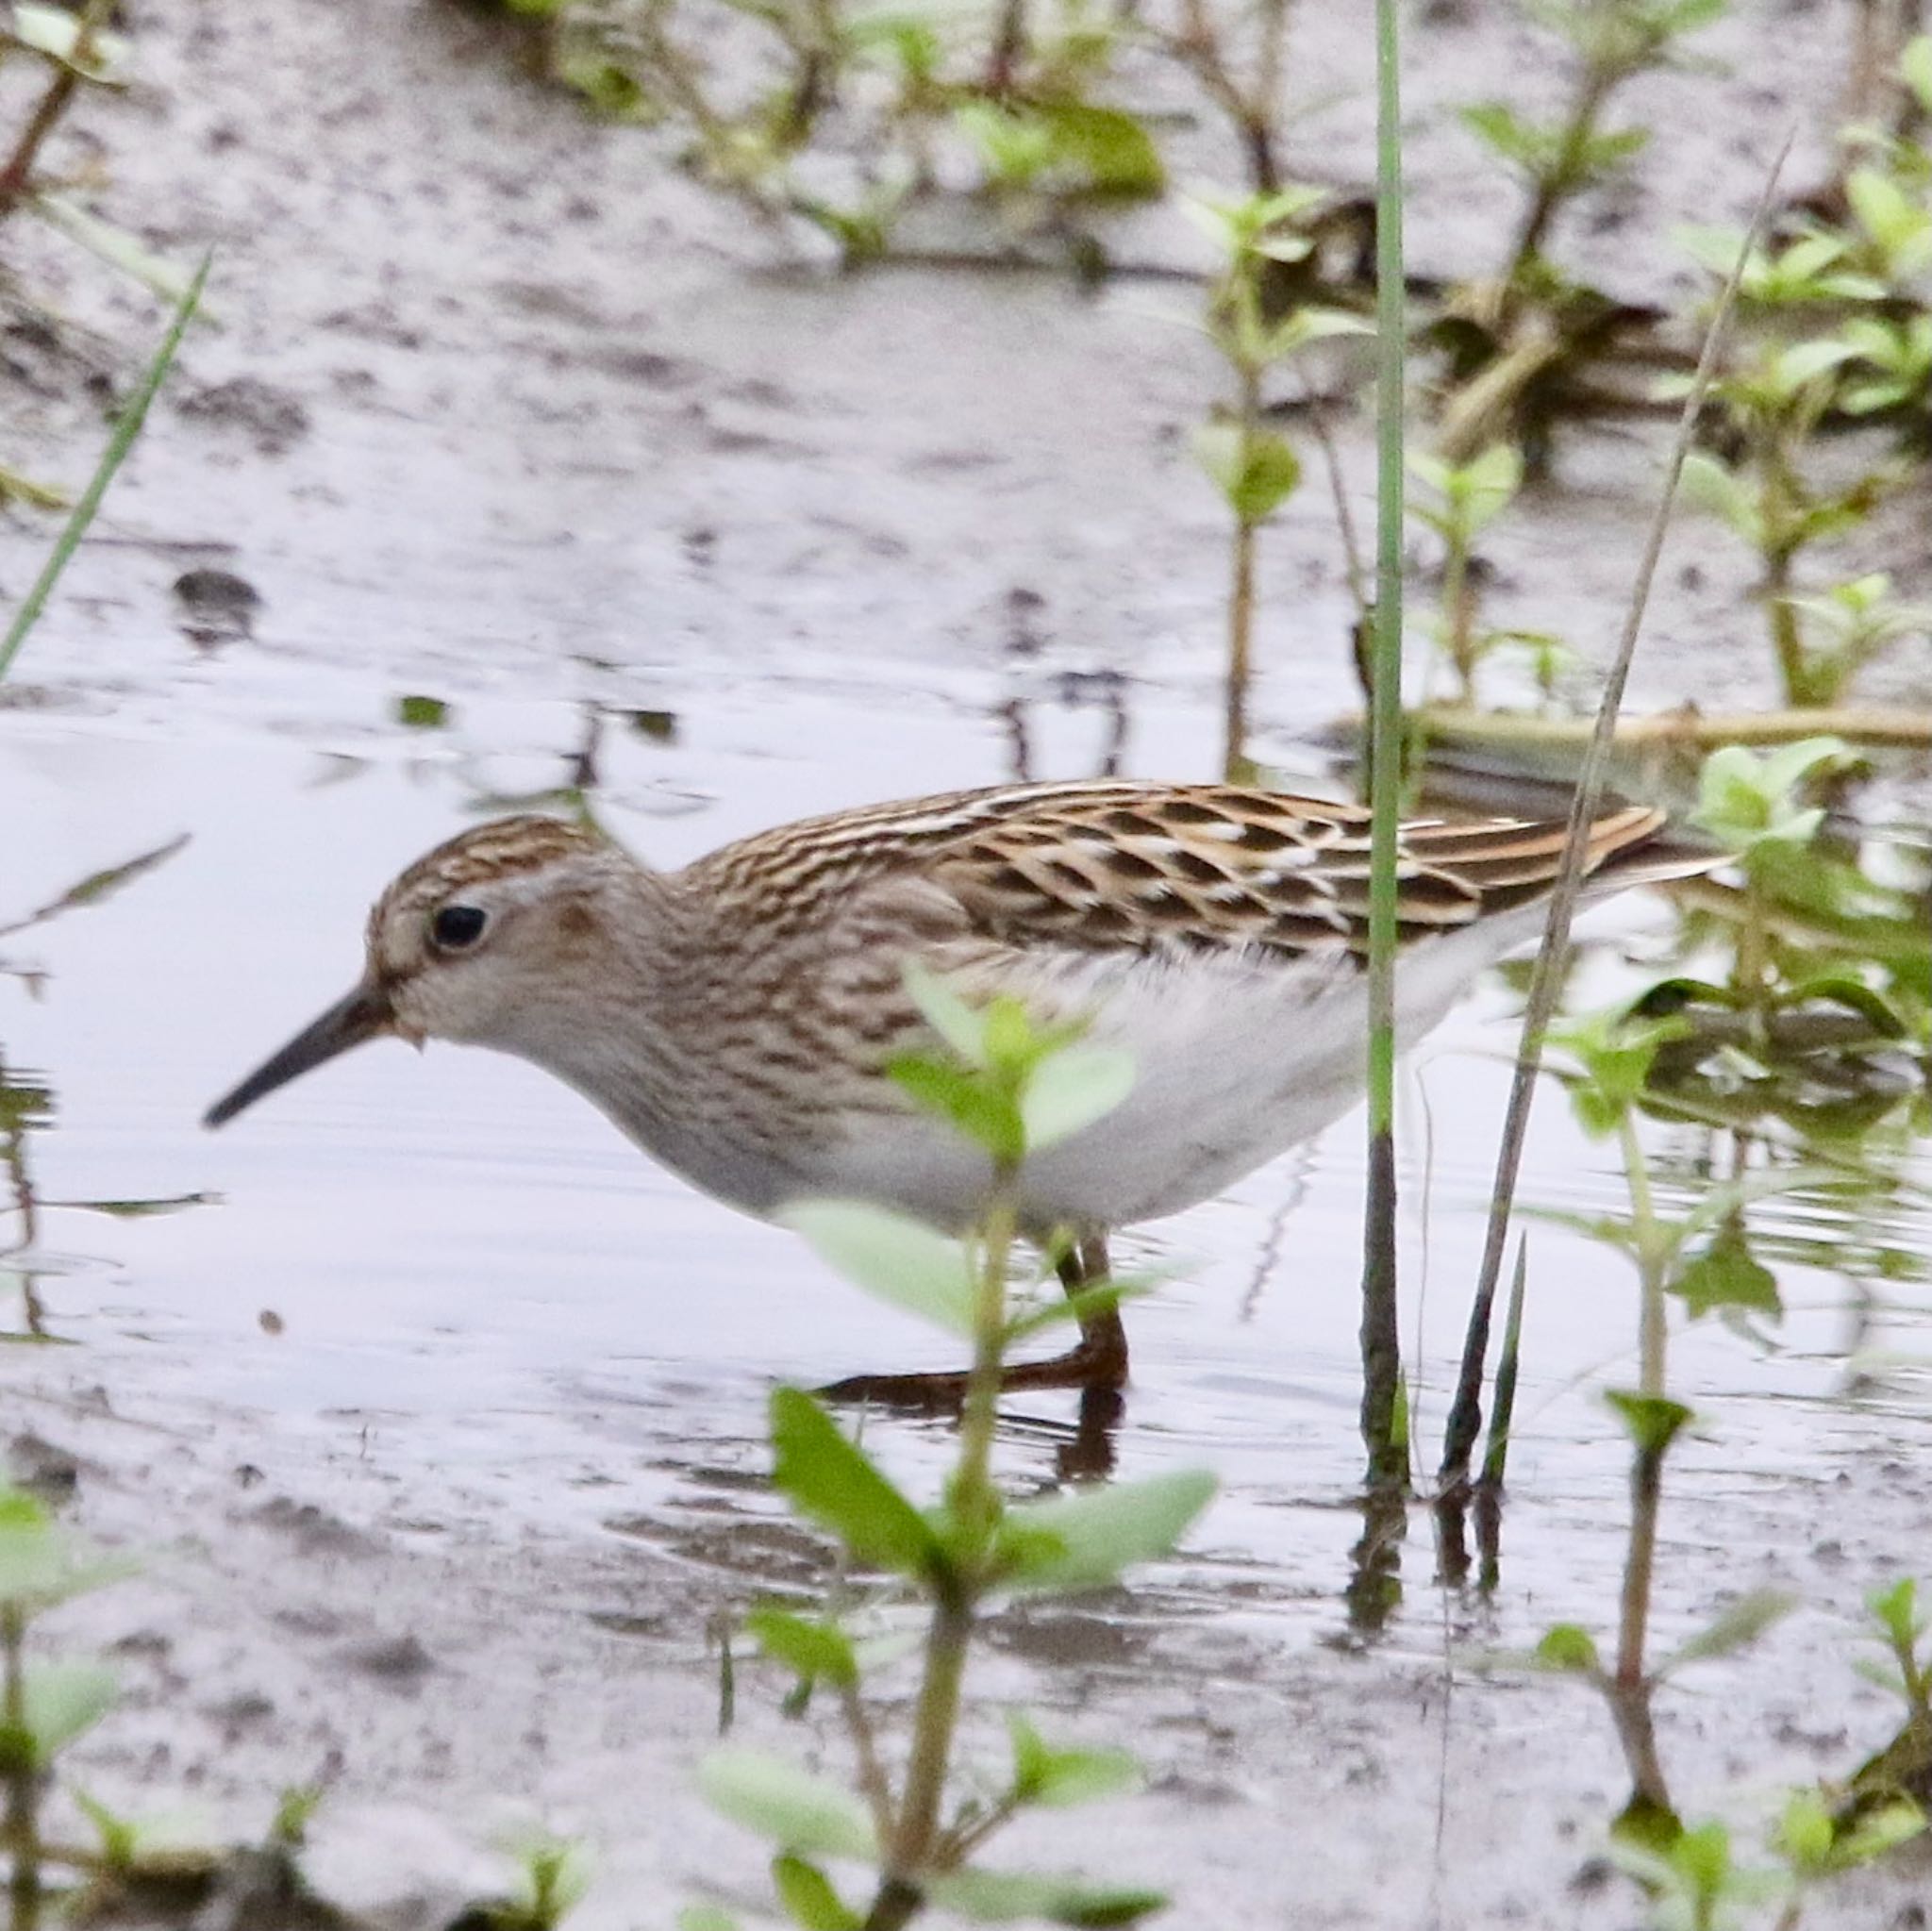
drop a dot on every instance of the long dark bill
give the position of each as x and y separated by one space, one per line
364 1015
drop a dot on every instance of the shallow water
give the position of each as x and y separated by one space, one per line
446 1363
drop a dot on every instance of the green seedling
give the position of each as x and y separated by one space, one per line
1855 622
1904 1767
1823 349
1831 965
1521 341
1611 42
1694 1880
1011 1087
1467 498
1699 1256
1255 468
44 1706
1889 370
872 100
551 1875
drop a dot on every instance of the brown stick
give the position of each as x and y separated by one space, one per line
1464 1414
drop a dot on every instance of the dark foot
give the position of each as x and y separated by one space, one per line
1096 1363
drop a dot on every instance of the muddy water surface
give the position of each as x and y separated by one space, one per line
441 1416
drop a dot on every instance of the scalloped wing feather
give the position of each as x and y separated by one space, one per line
1104 865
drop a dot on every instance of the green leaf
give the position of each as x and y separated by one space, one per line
894 1258
1085 1541
54 32
963 1096
552 1874
833 1482
41 1563
1915 70
1854 995
1895 1611
59 1702
1652 1421
1096 1299
1568 1647
1733 1628
1015 147
1708 483
1507 134
1750 801
705 1918
1070 1089
1877 1832
1301 327
1897 222
961 1026
1885 1679
1604 154
1805 363
809 1898
1255 470
1006 1897
1489 484
1061 1778
116 247
1012 1045
786 1806
1615 1053
1727 1274
813 1650
1109 148
1807 1833
417 713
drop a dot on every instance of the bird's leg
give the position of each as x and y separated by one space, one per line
1097 1360
1099 1357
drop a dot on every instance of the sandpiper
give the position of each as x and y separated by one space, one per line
734 1019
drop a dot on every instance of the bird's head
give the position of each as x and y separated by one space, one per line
469 944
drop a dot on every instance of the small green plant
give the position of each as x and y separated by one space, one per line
1520 342
1904 1767
552 1874
1809 922
1750 802
844 119
1820 348
1694 1880
1900 1625
44 1704
1256 328
1011 1087
1815 1844
1825 992
1610 43
1468 497
1851 624
1698 1257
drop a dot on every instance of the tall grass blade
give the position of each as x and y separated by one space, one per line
127 428
1465 1414
1496 1456
1381 1342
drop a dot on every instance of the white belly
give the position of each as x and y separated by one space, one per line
1237 1058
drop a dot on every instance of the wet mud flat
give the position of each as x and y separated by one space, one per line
439 1431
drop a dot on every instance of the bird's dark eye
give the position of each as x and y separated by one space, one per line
457 926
